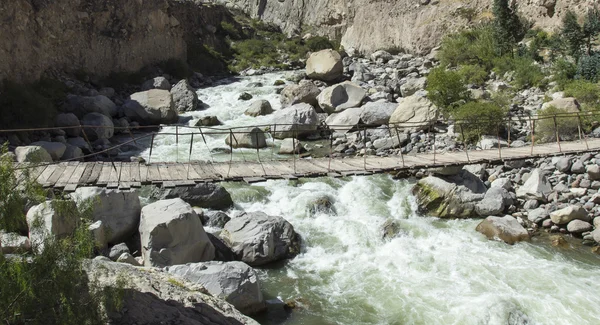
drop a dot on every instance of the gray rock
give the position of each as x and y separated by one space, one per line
216 219
377 113
321 204
579 226
156 83
324 65
208 121
390 229
295 121
565 215
83 105
12 243
128 259
184 97
33 154
531 204
491 142
151 107
345 121
234 282
538 215
155 297
506 229
56 218
385 143
171 233
304 92
381 55
414 113
578 167
593 172
413 85
118 250
259 107
70 122
118 210
72 153
80 143
451 197
340 97
252 138
504 183
290 146
536 187
204 195
493 203
98 126
55 149
257 238
563 165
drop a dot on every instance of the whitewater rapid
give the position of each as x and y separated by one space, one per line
434 272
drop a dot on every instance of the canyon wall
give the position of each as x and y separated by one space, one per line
411 25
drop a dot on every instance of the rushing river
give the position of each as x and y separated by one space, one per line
433 272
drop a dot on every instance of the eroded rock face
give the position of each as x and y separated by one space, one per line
234 282
171 233
151 296
506 229
257 238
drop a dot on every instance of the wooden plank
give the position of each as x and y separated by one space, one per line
96 170
207 171
168 184
134 169
115 173
191 172
143 169
77 174
251 180
182 172
60 168
70 187
104 176
153 174
125 176
45 175
165 176
66 175
89 167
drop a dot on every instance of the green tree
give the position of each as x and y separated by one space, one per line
446 88
591 29
475 119
508 27
572 34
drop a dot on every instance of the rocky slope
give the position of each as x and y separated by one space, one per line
415 26
99 37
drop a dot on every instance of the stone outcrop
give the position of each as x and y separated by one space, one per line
171 233
257 238
506 229
419 26
295 121
151 296
252 138
204 195
234 282
324 65
151 107
340 97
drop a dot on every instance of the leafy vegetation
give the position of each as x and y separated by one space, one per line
546 129
586 92
479 118
446 88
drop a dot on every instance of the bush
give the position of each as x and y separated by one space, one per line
545 129
527 73
474 46
230 30
588 67
586 92
445 88
475 119
319 43
564 71
473 74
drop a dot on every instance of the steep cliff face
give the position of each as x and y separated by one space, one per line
415 26
100 36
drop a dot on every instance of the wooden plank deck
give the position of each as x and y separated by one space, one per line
69 176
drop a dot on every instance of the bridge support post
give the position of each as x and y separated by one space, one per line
294 148
532 122
581 132
190 157
462 133
557 135
399 144
151 146
365 146
176 143
499 144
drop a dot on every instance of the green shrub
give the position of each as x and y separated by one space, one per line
445 88
473 74
475 119
230 30
318 43
473 46
527 73
564 71
545 128
586 92
588 67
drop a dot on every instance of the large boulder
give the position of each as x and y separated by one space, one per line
171 233
290 146
119 211
234 282
34 154
12 243
151 107
257 238
80 143
570 104
377 113
72 153
259 107
579 226
494 202
414 113
83 105
56 218
247 138
295 121
413 85
98 126
345 121
185 98
506 229
536 187
204 195
151 296
55 149
340 97
593 172
324 65
69 122
451 196
304 92
566 215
